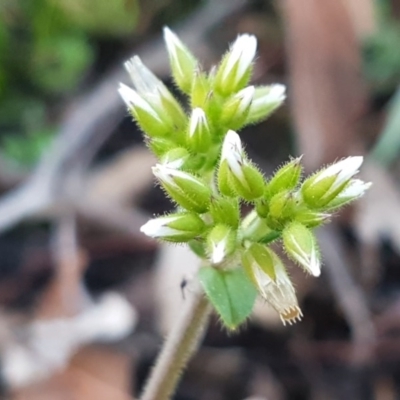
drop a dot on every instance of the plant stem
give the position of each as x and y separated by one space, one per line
178 348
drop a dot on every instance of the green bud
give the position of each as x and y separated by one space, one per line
179 227
224 182
235 70
225 210
221 243
301 246
286 178
258 258
183 63
175 158
247 181
235 110
200 90
282 208
266 100
187 190
156 93
199 136
152 122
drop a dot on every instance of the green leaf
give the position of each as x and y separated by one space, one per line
230 292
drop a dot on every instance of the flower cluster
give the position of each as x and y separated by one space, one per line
205 170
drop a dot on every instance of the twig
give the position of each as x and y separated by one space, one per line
182 342
348 295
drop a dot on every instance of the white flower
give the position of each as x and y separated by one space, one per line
167 175
241 56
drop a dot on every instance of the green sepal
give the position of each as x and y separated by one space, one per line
286 178
230 292
258 256
251 187
225 210
225 185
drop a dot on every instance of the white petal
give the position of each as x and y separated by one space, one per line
198 118
355 189
242 52
218 251
246 97
173 43
344 169
134 100
156 228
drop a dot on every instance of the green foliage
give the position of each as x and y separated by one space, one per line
231 293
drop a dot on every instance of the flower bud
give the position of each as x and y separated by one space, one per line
179 227
324 186
155 93
225 210
221 243
266 99
187 190
301 246
235 69
282 208
175 158
183 63
200 90
269 275
150 121
286 178
199 136
235 110
247 181
354 190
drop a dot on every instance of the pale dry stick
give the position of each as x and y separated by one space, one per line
181 344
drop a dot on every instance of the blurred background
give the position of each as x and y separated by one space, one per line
86 299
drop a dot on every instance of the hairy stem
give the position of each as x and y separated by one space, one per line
180 345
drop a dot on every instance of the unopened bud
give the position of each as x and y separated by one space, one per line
175 158
282 209
221 243
266 99
286 178
180 227
324 186
199 135
187 190
235 110
235 69
247 181
225 210
301 246
183 63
